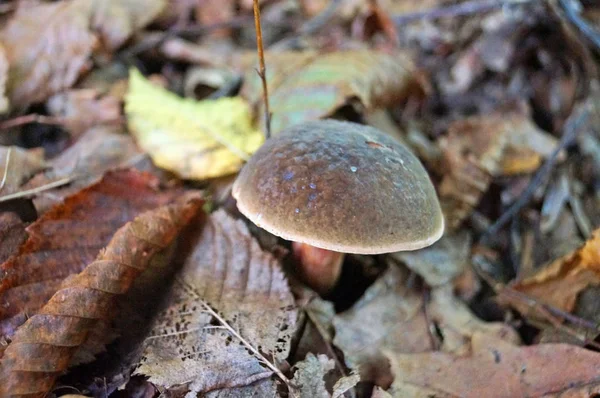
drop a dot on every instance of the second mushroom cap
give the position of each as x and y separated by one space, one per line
340 186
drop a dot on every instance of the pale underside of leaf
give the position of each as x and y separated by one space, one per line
195 139
227 270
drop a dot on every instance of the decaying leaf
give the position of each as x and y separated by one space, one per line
17 165
308 86
559 283
95 152
195 139
309 376
441 262
68 237
48 45
345 384
12 234
42 347
4 105
480 148
226 269
392 317
496 368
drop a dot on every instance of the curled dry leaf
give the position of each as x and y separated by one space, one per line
496 368
392 317
309 375
560 282
228 271
376 79
17 165
48 45
42 347
479 148
95 152
195 139
68 237
4 105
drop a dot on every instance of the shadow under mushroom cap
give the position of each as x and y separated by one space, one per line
340 186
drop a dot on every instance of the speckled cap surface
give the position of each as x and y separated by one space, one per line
340 186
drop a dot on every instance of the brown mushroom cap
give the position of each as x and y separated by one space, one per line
340 186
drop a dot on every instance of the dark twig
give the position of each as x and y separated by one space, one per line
262 72
572 13
572 129
31 118
465 8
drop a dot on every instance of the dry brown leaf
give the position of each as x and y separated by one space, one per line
12 234
68 237
227 269
4 105
495 368
391 317
42 347
82 109
480 148
330 80
443 261
309 375
17 165
48 45
95 152
560 282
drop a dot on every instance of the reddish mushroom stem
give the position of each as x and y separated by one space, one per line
319 268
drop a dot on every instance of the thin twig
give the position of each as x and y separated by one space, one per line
5 176
572 129
461 9
31 118
262 72
231 330
34 191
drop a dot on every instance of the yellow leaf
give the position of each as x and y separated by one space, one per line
194 139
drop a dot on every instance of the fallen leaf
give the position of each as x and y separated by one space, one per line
345 384
17 165
306 86
42 347
441 262
82 109
559 283
4 105
226 269
309 375
261 388
12 234
48 45
195 139
392 317
95 152
495 368
68 237
479 148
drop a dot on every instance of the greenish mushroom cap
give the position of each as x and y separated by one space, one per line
340 186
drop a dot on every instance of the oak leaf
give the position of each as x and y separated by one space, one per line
68 237
496 368
42 347
228 271
307 86
195 139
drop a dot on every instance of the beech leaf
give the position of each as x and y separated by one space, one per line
42 347
195 139
496 368
228 271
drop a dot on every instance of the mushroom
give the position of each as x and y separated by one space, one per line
341 187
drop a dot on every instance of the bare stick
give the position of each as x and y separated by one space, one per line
262 72
32 118
231 330
34 191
